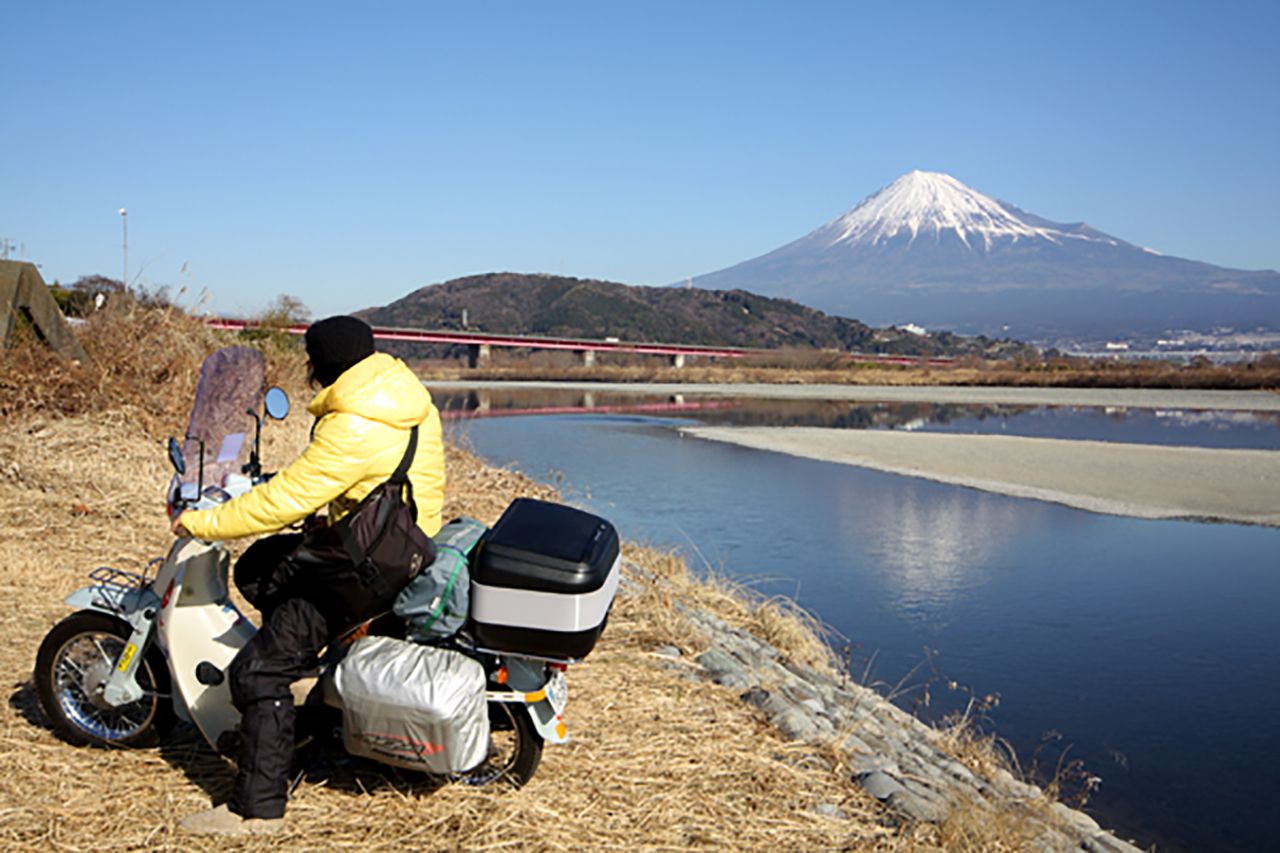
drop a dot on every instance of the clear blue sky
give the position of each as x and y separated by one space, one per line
350 153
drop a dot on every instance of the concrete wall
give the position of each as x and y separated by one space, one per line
23 292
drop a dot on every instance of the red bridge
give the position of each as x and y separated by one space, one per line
480 344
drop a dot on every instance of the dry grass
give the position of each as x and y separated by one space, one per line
658 760
666 581
1263 374
727 372
146 362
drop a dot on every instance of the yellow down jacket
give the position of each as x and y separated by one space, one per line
361 433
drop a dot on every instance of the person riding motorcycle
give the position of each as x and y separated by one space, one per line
367 405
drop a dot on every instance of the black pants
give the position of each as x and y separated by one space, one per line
294 630
305 601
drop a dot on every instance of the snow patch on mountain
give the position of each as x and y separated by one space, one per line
928 249
936 202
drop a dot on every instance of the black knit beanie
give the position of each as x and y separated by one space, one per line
335 344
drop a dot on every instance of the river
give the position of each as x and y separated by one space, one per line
1146 650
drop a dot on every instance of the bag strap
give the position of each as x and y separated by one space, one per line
401 474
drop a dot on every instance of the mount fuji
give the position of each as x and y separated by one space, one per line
931 251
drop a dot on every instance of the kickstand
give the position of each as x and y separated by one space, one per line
297 780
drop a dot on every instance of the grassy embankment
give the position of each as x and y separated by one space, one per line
806 367
658 760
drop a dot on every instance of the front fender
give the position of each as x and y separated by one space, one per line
127 604
90 598
136 606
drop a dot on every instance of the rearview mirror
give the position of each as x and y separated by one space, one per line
277 403
175 456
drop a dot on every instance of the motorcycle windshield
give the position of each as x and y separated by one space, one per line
220 434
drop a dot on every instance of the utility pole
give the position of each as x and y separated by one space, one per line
124 219
6 247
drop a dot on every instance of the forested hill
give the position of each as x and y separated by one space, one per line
514 303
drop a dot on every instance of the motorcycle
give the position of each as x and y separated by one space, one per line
145 650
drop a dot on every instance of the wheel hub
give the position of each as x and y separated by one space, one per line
95 683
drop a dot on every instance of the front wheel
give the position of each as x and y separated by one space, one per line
72 667
515 748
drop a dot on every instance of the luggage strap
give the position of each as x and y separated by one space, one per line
442 601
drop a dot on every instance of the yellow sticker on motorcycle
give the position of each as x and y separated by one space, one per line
127 657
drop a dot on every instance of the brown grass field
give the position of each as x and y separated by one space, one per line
657 761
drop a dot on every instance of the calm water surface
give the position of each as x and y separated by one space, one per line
1149 648
1221 429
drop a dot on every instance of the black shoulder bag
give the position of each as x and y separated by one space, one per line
353 569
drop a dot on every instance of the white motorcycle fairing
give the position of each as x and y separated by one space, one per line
199 624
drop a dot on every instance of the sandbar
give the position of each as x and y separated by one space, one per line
1146 481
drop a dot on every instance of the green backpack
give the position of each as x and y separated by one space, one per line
436 602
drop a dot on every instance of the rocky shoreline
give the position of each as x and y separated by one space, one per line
889 753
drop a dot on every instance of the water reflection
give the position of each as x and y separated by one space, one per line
932 546
1223 429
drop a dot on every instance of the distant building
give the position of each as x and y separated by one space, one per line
1116 346
914 329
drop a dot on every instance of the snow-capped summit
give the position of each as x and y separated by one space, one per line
929 249
933 203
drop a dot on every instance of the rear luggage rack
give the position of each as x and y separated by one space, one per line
564 661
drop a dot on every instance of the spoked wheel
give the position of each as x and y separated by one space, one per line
72 667
515 748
